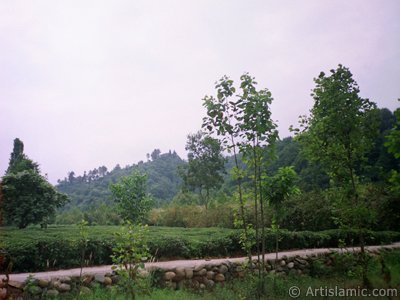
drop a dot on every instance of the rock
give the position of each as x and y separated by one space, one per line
169 276
115 279
65 279
291 265
99 278
180 272
202 286
282 263
281 274
52 293
231 266
210 283
107 281
198 268
223 269
16 284
170 284
200 279
85 290
202 272
301 261
302 267
299 272
210 275
55 283
64 287
195 284
189 273
87 279
43 283
219 278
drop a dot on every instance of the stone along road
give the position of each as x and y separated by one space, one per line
167 265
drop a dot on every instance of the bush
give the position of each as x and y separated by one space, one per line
170 247
194 216
35 249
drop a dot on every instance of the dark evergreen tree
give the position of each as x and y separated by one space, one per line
27 197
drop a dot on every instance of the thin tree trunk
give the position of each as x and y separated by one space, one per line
239 182
364 263
262 221
260 286
256 204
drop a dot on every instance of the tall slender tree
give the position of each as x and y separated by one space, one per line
244 124
205 167
339 132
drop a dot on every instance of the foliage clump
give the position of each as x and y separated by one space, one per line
26 196
130 194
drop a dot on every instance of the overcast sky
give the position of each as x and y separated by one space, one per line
90 83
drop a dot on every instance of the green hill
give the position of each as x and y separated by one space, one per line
92 188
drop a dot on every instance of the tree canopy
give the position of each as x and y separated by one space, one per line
130 194
27 197
203 173
342 126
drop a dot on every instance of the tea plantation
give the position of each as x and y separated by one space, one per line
35 249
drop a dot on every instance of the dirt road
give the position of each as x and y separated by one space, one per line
184 263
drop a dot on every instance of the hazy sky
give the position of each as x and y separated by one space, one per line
90 83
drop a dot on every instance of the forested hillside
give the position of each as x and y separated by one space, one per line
92 188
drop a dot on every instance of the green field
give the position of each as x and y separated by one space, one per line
35 249
11 235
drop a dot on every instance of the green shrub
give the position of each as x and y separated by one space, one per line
35 249
171 247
